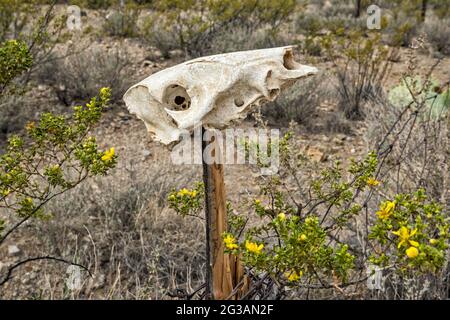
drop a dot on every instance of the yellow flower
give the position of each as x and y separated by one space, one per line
257 202
108 155
433 241
253 247
404 234
172 197
194 193
184 192
293 276
302 237
372 182
412 252
386 210
230 242
5 192
309 220
282 216
104 91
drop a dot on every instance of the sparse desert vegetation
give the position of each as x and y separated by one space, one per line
363 184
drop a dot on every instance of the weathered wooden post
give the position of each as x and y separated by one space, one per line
217 284
224 272
213 91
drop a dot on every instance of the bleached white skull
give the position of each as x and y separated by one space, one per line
213 90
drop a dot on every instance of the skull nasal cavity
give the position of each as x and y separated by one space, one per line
288 60
179 99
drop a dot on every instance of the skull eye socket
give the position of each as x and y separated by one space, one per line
176 98
179 100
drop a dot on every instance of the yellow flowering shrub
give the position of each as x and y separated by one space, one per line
386 210
108 155
413 234
15 58
253 247
187 201
372 182
55 155
308 238
230 242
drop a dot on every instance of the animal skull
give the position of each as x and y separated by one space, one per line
214 90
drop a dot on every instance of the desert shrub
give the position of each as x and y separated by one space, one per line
153 34
299 103
80 75
401 31
418 137
35 46
440 8
336 122
410 129
15 59
122 22
361 65
193 24
14 119
36 25
14 16
403 20
412 232
56 155
438 34
307 237
137 248
311 26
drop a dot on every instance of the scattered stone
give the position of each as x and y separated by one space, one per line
316 154
13 250
146 153
352 150
147 63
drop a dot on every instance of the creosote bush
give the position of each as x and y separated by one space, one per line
54 156
304 237
15 59
412 233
